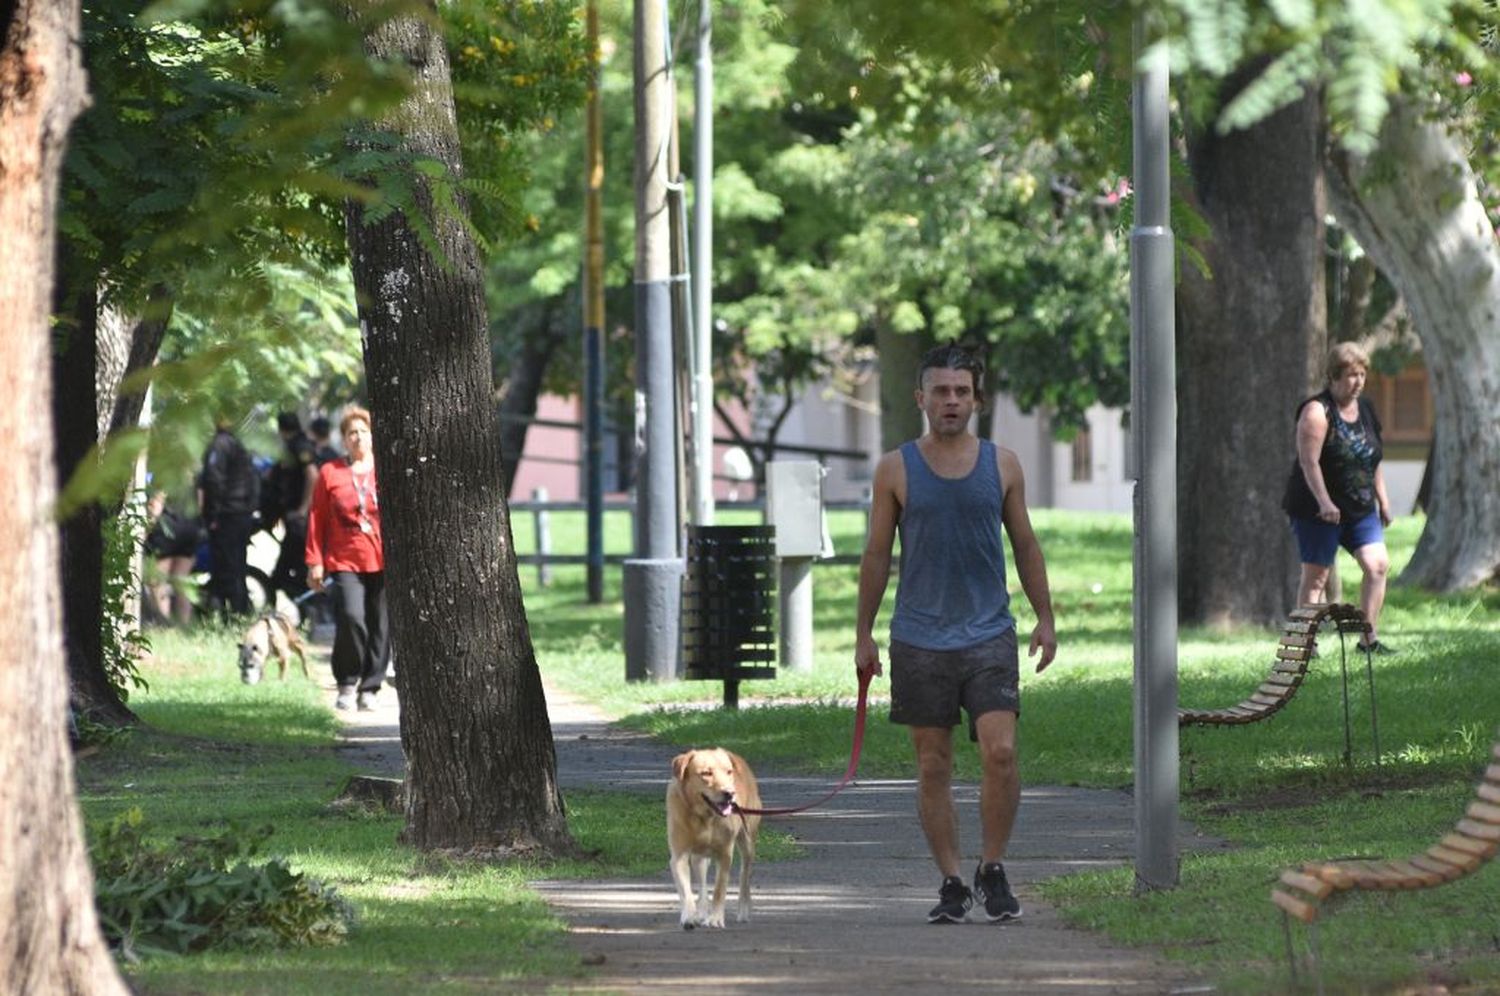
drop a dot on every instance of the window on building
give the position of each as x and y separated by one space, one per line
1083 457
1404 404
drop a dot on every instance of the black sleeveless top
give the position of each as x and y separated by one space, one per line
1351 452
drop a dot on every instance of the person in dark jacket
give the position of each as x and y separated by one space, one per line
228 499
321 431
1335 495
297 474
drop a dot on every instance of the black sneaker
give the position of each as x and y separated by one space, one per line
954 900
991 888
1377 648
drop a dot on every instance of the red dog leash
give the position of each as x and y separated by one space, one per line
859 741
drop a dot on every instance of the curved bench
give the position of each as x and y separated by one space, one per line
1293 654
1300 893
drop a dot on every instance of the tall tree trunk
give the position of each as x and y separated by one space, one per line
521 388
900 354
49 936
74 416
96 348
136 343
1418 215
481 768
1248 341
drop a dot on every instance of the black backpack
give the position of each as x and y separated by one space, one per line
271 505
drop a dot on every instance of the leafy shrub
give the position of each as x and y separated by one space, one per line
121 643
200 893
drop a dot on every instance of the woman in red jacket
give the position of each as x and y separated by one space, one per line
344 554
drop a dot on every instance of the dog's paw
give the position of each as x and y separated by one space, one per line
715 920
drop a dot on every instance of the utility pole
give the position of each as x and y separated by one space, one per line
1153 425
703 234
653 577
593 315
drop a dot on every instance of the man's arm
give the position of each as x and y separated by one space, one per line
875 563
309 484
1031 566
212 478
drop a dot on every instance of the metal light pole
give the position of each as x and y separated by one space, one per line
703 185
653 578
593 319
1153 419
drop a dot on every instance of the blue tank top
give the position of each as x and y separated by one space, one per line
951 593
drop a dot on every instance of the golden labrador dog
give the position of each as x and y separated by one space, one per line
703 825
272 635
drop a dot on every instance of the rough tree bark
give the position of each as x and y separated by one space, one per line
74 366
1416 211
1247 345
93 353
481 767
49 937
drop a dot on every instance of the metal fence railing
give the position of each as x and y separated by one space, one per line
539 510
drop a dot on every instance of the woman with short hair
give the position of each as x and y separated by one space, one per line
1335 495
345 554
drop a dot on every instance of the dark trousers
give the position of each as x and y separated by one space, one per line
228 539
362 637
290 573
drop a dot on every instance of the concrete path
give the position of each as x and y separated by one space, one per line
850 917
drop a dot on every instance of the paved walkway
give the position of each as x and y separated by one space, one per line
850 916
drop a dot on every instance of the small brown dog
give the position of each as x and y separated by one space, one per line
703 824
272 635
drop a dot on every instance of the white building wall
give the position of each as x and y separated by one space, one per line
824 417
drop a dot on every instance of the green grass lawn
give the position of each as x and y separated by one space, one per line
215 754
1281 790
216 751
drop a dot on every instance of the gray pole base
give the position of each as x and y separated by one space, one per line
653 615
796 589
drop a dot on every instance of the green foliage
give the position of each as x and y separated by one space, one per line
1362 54
202 893
121 644
102 735
280 336
516 66
207 141
833 219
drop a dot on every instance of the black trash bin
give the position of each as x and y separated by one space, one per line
729 606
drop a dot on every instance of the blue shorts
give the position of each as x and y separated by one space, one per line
1318 542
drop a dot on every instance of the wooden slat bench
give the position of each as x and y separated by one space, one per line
1293 654
1301 893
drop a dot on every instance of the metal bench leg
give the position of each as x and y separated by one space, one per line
1291 953
1374 713
1317 961
1344 671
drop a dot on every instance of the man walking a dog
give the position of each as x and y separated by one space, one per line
953 639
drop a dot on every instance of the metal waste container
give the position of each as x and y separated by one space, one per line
729 606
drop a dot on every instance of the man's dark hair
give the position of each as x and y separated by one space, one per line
320 427
952 357
288 422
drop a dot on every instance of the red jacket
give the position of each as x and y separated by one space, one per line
334 536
